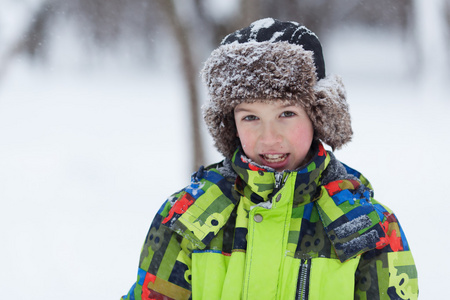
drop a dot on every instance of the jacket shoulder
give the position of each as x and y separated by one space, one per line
354 221
202 208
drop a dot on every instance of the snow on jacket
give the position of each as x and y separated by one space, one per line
239 231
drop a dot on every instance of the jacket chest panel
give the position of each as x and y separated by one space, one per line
279 252
267 237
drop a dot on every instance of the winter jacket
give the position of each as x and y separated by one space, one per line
239 231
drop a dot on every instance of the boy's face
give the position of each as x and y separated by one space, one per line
274 134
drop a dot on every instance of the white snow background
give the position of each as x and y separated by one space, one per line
90 150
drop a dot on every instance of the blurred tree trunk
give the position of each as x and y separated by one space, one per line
181 34
33 41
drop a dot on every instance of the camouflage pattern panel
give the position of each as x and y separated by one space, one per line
386 275
308 178
164 266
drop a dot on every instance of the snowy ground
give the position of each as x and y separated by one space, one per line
87 156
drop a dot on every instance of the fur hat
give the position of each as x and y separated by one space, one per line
273 60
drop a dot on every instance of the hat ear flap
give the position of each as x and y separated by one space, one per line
221 126
330 113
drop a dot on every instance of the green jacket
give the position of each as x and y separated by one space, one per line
239 231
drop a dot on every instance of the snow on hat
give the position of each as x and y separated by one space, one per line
273 60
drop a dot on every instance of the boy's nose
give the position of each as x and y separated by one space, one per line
270 135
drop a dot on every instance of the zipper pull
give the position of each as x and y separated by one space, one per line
278 179
279 183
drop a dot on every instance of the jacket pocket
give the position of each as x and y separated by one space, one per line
331 279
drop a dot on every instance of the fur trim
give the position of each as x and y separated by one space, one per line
267 71
330 113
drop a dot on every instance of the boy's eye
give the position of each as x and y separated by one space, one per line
250 118
288 114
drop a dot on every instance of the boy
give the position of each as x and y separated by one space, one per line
280 217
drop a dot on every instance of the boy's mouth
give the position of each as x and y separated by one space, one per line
274 158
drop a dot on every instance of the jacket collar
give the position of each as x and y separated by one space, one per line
351 221
258 183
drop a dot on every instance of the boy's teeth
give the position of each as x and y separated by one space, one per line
274 157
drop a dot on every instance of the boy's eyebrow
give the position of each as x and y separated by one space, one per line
243 109
240 109
289 104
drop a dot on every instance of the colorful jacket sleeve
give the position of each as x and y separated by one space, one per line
388 271
164 266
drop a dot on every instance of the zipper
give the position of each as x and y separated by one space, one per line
303 280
